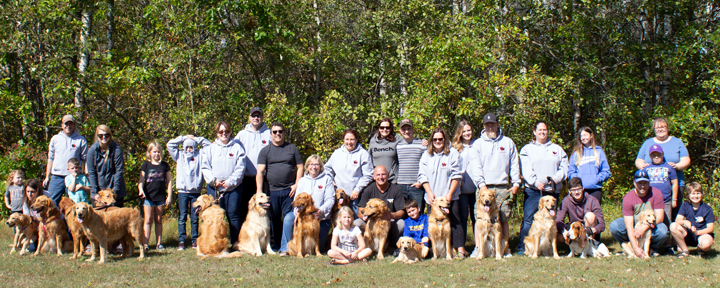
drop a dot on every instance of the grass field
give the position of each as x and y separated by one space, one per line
172 268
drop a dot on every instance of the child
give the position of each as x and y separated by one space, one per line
694 223
14 191
416 226
188 182
664 178
347 244
32 189
77 184
155 180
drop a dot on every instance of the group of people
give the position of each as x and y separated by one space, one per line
406 172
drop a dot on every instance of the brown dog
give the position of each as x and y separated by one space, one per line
255 232
25 231
439 228
52 231
488 232
306 233
341 199
106 198
213 240
541 237
410 251
102 228
376 228
67 208
646 217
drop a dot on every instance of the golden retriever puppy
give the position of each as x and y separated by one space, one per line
376 228
103 227
541 237
213 240
52 231
67 208
26 229
488 232
410 251
439 228
255 232
646 217
306 232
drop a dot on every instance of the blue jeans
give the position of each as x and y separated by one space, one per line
530 206
287 232
230 201
467 209
659 236
185 200
56 188
418 194
280 205
151 203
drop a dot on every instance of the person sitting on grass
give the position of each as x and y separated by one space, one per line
347 244
664 178
694 223
416 225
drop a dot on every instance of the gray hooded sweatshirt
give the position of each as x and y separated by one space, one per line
189 177
472 170
351 170
501 165
253 142
538 161
438 170
223 162
62 148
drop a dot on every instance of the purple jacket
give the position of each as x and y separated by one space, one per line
576 212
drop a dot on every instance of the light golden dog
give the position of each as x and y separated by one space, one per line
102 228
376 228
646 217
488 232
67 208
213 240
52 231
541 237
306 233
26 229
255 232
410 251
439 229
106 198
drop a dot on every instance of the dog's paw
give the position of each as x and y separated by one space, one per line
556 257
12 251
319 255
498 257
380 256
534 256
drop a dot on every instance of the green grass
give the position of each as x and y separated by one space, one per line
183 268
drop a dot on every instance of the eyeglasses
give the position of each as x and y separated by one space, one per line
103 136
223 132
256 116
576 190
277 131
314 165
661 128
384 127
438 139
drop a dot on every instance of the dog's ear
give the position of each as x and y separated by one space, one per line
252 202
582 238
413 242
399 242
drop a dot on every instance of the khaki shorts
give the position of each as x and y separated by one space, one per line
503 198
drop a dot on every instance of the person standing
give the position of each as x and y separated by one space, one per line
281 165
106 166
501 169
472 175
409 151
675 152
383 148
65 145
589 163
254 138
351 167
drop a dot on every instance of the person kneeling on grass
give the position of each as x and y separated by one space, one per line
694 223
416 226
347 244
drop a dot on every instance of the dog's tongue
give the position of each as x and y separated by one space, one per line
80 220
552 213
652 226
487 208
340 201
446 210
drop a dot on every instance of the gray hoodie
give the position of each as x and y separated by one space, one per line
322 191
383 153
62 148
351 170
438 170
223 162
538 161
189 177
501 165
253 142
472 170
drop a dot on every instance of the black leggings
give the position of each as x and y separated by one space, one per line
596 193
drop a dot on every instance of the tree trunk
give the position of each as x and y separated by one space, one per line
86 18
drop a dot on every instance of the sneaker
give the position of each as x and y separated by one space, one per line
181 246
520 252
474 254
194 244
160 247
396 252
146 248
88 249
654 253
508 255
669 250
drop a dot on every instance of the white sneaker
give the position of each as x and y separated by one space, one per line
474 253
508 255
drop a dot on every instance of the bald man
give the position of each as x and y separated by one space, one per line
393 197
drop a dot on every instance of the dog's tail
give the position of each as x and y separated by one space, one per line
229 255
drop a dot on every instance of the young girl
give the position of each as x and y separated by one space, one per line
32 189
347 244
155 180
694 223
14 191
589 163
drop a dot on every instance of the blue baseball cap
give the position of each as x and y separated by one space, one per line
641 175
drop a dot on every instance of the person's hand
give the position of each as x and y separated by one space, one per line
449 198
417 185
96 197
168 201
647 164
355 194
694 230
221 184
316 214
565 234
293 188
431 198
514 190
640 230
674 203
354 255
142 194
45 182
190 136
425 142
386 216
672 164
540 186
639 252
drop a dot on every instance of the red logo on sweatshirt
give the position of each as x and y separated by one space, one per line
264 142
319 186
231 155
554 153
444 164
192 159
73 145
502 148
355 162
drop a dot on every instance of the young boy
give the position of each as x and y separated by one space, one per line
77 184
694 223
664 178
416 225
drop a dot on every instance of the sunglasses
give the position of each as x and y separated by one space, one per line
384 127
256 116
277 132
438 139
223 132
103 136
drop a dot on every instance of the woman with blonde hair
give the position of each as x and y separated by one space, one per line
472 174
589 163
155 180
105 166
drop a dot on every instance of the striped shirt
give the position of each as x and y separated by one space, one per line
409 155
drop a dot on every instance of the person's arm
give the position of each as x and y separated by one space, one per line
514 168
259 178
708 229
604 173
453 186
238 171
48 168
333 245
206 166
527 170
400 214
572 166
560 216
455 173
475 169
425 234
7 200
83 154
141 182
92 174
328 198
367 171
659 215
629 225
298 175
168 179
202 141
423 178
683 164
562 171
119 169
680 220
640 159
675 188
70 182
600 226
172 147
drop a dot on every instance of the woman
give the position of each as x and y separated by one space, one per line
472 174
33 189
674 150
320 186
383 148
223 167
440 176
351 167
105 166
539 160
588 162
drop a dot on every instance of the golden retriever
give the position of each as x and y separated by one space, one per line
255 232
67 208
341 199
410 251
26 229
488 232
376 228
213 240
439 228
106 198
646 217
306 233
541 237
52 231
101 228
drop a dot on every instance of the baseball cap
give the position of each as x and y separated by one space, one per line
406 122
256 109
641 175
489 118
656 148
68 118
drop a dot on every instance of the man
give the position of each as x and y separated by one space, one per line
254 138
642 198
393 197
501 167
281 165
409 151
579 207
65 145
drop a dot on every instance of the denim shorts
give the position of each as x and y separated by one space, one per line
153 203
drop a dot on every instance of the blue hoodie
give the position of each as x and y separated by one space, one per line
592 174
